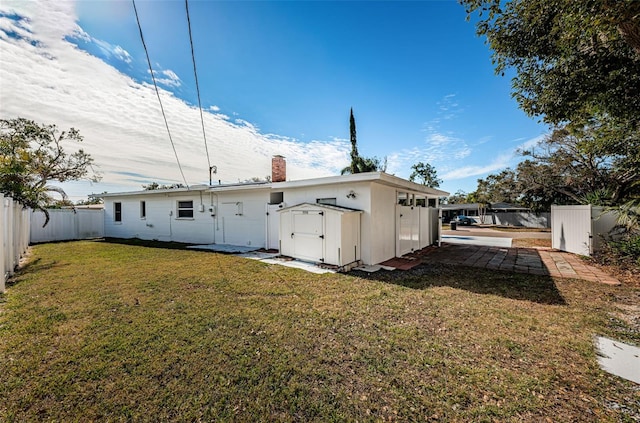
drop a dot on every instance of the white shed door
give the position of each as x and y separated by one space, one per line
308 234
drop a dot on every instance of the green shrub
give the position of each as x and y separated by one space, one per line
623 251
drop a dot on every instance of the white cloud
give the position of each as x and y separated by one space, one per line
168 78
122 54
502 161
440 146
52 81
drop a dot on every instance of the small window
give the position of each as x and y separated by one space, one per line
276 197
117 212
328 201
143 209
185 209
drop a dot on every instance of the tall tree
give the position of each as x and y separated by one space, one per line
355 157
460 197
425 174
358 163
32 156
573 59
501 187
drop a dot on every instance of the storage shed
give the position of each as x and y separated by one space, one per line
321 233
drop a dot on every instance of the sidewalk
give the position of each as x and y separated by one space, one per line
536 261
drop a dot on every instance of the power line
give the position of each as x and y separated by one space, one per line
164 116
195 73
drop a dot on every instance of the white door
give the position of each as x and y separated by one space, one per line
408 230
273 226
308 234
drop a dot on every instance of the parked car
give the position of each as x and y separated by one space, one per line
464 220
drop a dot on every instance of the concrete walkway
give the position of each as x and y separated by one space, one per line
536 261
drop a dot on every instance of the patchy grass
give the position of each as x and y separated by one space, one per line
519 229
530 242
103 331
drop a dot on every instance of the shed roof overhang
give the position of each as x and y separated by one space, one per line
339 209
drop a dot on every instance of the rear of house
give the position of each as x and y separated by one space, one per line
392 215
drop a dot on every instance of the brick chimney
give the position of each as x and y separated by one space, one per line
278 169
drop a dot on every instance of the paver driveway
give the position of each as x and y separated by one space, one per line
537 261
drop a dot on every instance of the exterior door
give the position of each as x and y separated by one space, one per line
308 234
273 226
408 230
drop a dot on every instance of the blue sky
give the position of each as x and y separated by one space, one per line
275 78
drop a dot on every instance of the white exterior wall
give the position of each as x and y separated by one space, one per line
362 201
381 230
226 226
248 228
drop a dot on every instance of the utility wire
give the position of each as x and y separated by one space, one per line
195 73
158 94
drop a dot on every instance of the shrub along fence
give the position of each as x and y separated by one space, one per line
15 232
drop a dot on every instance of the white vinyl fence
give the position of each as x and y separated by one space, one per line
67 224
579 229
14 229
525 219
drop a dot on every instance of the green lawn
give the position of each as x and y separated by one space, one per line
110 332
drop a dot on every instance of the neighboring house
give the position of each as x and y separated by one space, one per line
450 211
251 214
506 208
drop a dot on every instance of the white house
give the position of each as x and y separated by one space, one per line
379 216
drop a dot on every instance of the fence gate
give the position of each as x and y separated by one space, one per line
579 229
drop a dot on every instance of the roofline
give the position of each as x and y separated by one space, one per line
194 188
379 177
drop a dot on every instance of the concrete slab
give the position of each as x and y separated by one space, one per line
477 240
309 267
619 358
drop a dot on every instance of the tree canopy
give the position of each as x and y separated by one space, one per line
425 174
577 67
573 59
569 166
32 156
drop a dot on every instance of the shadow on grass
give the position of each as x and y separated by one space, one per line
516 286
32 266
167 245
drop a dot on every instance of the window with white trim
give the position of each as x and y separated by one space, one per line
143 209
185 209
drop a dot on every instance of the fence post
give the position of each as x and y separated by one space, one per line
3 223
